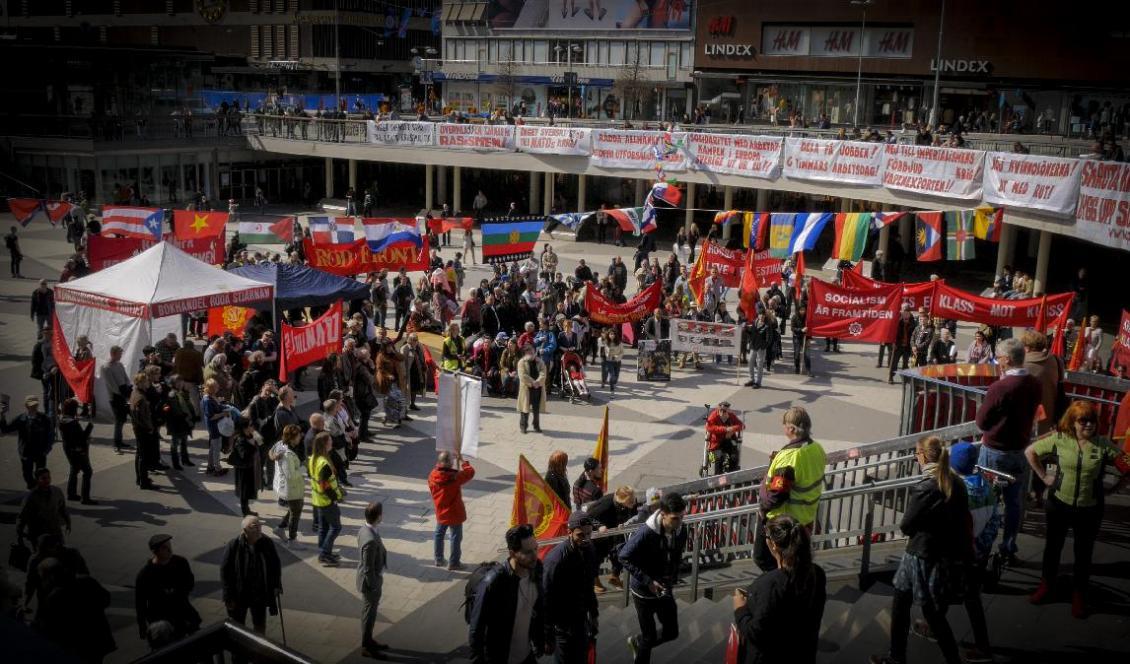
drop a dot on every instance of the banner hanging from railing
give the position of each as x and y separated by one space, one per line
1103 212
733 154
486 138
643 150
1032 181
554 140
934 171
402 134
845 162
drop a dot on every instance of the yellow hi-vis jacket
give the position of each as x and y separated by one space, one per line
807 461
323 493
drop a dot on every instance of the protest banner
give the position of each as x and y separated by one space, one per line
643 150
309 343
845 162
694 336
918 294
853 314
934 171
1032 181
767 269
728 261
1103 212
102 252
604 311
458 403
401 134
554 140
1120 351
347 260
440 225
228 319
488 138
960 305
751 156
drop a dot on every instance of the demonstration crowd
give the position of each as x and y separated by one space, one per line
526 332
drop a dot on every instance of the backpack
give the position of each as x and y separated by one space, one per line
484 575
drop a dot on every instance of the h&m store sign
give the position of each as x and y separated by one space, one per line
832 41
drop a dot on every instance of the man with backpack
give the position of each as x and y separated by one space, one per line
505 607
571 610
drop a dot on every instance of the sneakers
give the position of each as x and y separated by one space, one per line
327 560
440 562
1041 594
633 647
455 567
922 630
615 581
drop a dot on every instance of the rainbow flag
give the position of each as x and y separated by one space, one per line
510 239
852 229
726 217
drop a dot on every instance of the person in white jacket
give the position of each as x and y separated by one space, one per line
290 481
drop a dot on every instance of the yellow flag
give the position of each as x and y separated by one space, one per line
600 453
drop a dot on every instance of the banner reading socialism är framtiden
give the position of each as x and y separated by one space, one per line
853 314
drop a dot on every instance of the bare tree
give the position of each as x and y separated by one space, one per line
632 84
507 81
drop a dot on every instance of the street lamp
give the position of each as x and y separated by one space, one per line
937 68
429 51
862 4
570 77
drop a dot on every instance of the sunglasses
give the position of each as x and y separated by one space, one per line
1086 420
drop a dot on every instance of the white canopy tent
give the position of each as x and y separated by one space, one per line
140 300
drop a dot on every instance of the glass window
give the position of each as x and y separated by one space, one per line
602 52
541 51
591 52
616 53
658 54
685 58
504 50
528 50
492 53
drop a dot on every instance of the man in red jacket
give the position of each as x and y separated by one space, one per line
446 484
724 427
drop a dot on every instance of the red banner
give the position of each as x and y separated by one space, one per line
442 225
956 304
102 252
853 314
918 294
767 269
351 259
228 319
309 343
1120 352
728 261
79 374
604 311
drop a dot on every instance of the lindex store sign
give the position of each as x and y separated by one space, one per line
724 26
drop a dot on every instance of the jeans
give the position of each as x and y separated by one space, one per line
800 352
178 448
756 365
610 373
119 424
935 618
29 464
1084 522
647 610
80 463
214 445
258 616
290 519
572 643
1016 465
456 542
329 527
370 600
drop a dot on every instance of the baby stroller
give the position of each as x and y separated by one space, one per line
573 385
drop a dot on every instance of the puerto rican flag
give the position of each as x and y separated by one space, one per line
139 222
383 233
331 230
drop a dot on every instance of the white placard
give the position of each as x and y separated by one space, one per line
615 148
1103 212
923 169
493 138
694 336
846 162
1032 181
554 140
405 134
751 156
457 413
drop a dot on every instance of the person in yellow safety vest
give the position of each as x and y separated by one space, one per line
793 483
454 349
325 494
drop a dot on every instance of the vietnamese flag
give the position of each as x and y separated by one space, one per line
600 452
749 291
56 210
192 225
228 319
537 504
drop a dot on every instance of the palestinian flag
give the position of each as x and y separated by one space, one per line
959 235
510 239
262 232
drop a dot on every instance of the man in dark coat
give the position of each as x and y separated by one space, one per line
251 575
161 595
571 611
509 595
33 438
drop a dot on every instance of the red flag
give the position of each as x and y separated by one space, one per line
25 209
1076 360
190 225
78 373
761 232
430 365
1122 423
600 452
537 504
749 290
628 333
799 274
1042 317
284 229
228 319
56 210
309 343
858 268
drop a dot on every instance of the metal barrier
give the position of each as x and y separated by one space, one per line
217 642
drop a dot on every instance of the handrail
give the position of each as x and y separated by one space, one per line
226 636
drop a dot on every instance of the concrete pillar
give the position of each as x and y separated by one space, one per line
689 219
884 239
845 205
547 195
906 233
639 193
762 200
1039 284
441 184
353 173
329 177
1004 248
1033 243
429 185
581 192
456 189
535 192
96 195
727 204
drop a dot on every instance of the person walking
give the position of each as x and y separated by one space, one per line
289 483
76 446
611 358
901 346
446 486
611 511
1006 417
117 384
587 488
571 610
984 497
12 243
373 559
794 481
182 417
42 305
72 613
251 576
652 557
778 615
33 437
162 592
469 246
248 468
532 375
325 494
144 431
43 511
506 619
936 521
1076 502
758 341
213 410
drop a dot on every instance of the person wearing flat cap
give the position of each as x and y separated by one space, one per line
571 610
251 575
162 595
33 437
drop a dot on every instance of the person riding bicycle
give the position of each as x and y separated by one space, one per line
724 430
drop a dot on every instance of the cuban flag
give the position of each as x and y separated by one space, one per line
331 230
384 233
139 222
806 230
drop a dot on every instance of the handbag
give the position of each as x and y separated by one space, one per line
18 555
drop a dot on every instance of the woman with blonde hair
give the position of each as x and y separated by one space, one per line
937 523
1093 337
289 485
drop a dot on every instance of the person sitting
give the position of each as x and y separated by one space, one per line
724 430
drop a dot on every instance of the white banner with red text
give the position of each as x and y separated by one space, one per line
554 140
643 150
1032 181
934 171
731 154
1103 212
482 138
847 162
694 336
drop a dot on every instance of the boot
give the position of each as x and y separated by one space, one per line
1041 594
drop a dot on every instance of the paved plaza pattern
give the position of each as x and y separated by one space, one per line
656 439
